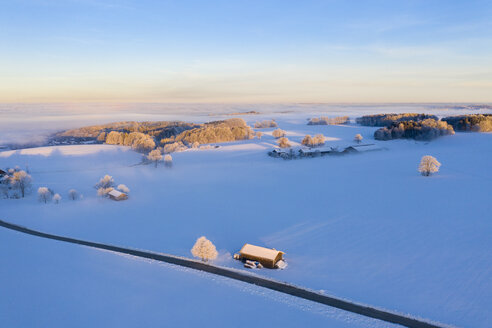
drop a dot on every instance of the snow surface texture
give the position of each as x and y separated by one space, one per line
365 227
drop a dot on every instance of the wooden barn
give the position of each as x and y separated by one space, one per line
266 256
117 195
2 173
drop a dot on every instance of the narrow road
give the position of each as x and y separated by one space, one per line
282 287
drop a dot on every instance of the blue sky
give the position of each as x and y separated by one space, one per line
245 51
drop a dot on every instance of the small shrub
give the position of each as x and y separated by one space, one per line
279 133
283 142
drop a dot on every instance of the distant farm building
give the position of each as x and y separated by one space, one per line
2 173
117 195
266 256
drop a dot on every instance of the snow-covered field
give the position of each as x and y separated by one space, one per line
365 227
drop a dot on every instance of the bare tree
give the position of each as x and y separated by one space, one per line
279 133
105 182
358 138
73 194
204 249
44 194
428 165
155 156
168 160
283 142
56 198
123 188
22 181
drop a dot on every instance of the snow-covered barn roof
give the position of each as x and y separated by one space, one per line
115 193
260 252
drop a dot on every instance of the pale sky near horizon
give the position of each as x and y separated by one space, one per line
245 51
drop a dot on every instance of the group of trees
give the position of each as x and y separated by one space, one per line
106 185
390 119
15 184
156 157
316 141
220 131
427 129
137 140
46 195
477 122
266 124
323 120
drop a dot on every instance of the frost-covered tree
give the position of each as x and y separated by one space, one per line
123 188
358 138
428 165
44 194
279 133
103 192
105 182
259 134
204 249
56 198
283 142
168 160
307 141
73 194
155 156
22 181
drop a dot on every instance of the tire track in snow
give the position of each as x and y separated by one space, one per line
279 286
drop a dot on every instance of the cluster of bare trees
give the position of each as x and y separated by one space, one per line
15 184
318 140
323 120
106 184
266 124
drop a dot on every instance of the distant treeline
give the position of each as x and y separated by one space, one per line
476 122
391 119
143 136
158 129
323 120
422 130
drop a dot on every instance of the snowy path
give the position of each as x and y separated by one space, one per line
245 277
